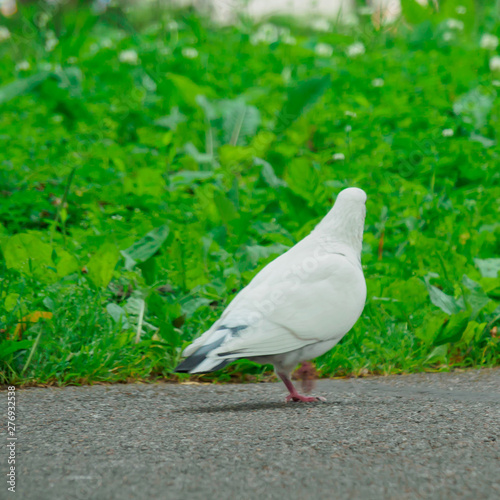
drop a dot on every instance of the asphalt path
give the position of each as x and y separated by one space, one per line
432 436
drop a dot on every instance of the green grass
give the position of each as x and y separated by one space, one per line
228 158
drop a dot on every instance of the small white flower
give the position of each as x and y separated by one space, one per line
23 66
489 42
42 19
350 113
286 37
348 128
378 82
495 63
461 10
447 36
8 7
267 33
447 132
496 83
338 156
128 56
100 6
172 26
4 33
51 43
356 49
455 24
323 50
189 52
321 25
117 217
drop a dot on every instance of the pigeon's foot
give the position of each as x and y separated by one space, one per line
305 399
294 395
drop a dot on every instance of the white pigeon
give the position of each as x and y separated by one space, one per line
296 308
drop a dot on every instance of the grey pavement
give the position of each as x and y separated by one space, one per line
429 436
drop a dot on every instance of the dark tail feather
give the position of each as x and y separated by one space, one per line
188 364
200 355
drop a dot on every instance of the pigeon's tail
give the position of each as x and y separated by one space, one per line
199 363
202 359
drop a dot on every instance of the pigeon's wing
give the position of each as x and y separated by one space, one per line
322 306
278 316
268 273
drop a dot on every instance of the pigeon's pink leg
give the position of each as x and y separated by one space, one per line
294 395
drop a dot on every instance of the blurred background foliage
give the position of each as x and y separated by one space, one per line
152 162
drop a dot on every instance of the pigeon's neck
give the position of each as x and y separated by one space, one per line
342 230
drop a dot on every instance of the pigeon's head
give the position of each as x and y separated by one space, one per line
351 204
345 221
352 196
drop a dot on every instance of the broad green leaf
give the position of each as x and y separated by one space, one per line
135 304
239 120
187 89
7 347
30 255
302 178
489 268
445 302
452 331
21 86
227 211
230 155
189 177
136 310
473 331
146 247
189 307
65 262
10 300
102 265
432 324
300 99
438 354
118 314
145 182
477 298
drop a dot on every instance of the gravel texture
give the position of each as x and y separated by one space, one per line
430 436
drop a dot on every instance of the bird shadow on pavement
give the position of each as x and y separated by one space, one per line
253 406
